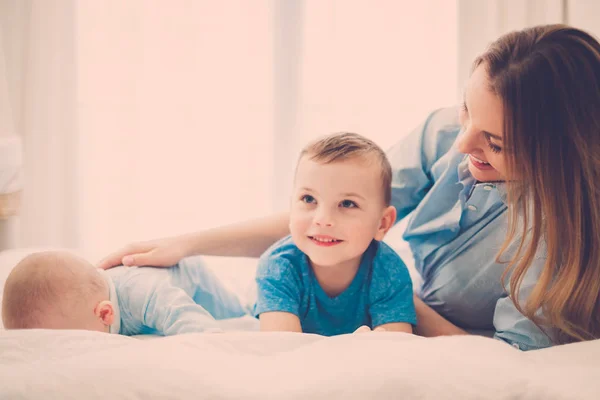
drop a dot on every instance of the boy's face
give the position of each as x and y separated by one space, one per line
337 209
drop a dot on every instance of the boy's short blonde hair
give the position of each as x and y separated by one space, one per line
347 145
45 285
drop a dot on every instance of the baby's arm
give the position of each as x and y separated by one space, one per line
152 301
170 311
278 299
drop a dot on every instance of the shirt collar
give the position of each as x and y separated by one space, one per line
116 325
465 177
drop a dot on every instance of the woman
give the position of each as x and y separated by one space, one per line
505 200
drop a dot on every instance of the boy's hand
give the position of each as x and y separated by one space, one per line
366 329
157 253
363 329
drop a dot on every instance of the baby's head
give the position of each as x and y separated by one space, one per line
341 198
56 290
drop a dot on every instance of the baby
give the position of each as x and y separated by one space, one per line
58 290
333 274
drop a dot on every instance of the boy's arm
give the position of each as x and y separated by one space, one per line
391 294
279 321
278 300
396 327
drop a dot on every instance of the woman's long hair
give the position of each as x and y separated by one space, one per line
548 78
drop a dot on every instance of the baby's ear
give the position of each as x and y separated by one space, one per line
106 312
388 219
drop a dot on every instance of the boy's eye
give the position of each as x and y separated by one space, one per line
348 204
307 198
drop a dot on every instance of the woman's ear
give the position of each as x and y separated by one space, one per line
105 312
388 219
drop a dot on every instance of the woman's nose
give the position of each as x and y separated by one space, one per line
468 141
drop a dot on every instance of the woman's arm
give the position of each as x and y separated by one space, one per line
245 239
430 323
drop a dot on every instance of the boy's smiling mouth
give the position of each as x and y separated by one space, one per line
324 240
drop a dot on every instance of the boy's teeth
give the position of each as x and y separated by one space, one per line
324 240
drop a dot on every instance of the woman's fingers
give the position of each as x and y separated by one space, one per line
117 258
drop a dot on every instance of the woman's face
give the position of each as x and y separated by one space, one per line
482 119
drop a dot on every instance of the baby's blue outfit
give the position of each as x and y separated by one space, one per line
380 293
455 231
184 298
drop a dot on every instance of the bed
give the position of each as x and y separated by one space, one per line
243 363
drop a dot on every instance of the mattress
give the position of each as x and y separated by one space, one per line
243 363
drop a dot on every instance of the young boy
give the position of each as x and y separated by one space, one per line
333 274
57 290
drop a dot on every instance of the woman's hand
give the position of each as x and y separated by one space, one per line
243 239
158 253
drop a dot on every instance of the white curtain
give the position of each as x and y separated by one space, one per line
375 68
145 118
584 14
175 117
38 42
481 22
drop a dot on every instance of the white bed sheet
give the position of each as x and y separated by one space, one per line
89 365
241 364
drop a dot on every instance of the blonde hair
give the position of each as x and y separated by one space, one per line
347 146
548 78
47 284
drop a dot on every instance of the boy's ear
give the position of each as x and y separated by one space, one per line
387 221
106 312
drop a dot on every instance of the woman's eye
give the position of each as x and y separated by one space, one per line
348 204
495 148
463 115
308 199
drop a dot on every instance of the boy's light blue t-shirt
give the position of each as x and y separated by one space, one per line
380 293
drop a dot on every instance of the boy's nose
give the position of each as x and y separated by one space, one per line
323 218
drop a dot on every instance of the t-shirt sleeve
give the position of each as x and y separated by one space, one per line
391 292
278 285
